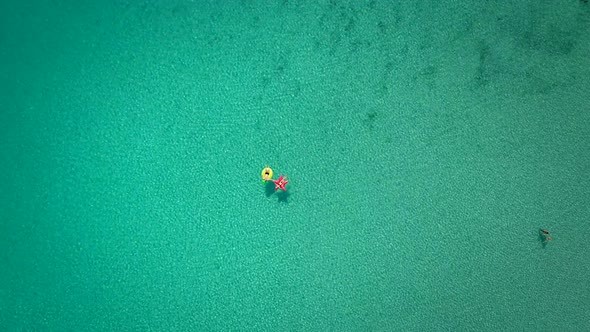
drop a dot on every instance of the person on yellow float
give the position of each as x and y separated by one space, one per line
266 174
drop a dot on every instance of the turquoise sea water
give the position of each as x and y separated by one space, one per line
426 144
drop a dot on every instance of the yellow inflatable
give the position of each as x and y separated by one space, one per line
266 174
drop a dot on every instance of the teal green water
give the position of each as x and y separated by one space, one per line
426 145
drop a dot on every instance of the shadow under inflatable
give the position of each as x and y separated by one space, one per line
283 196
269 190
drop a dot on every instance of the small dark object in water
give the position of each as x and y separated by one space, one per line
544 236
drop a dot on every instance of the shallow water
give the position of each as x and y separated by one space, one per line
426 145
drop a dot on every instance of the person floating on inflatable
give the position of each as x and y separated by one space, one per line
266 174
281 183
